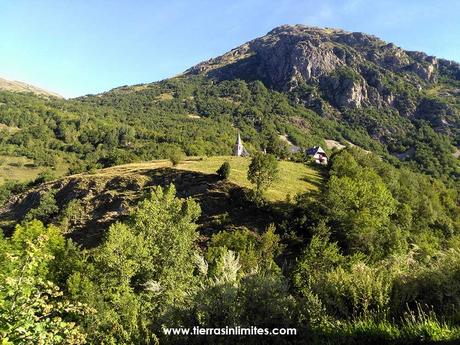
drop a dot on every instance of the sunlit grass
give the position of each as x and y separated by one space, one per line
294 178
22 169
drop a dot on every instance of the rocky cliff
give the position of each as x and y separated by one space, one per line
345 70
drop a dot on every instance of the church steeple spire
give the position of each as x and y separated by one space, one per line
239 149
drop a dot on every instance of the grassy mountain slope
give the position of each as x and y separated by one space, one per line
17 86
88 203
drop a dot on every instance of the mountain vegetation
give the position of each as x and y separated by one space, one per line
130 217
17 86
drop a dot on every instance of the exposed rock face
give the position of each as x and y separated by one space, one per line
288 58
291 55
345 91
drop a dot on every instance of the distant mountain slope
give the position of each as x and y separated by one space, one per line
330 70
297 84
18 86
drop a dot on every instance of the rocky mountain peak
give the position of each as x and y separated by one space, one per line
351 68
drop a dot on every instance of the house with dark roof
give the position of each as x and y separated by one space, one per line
318 155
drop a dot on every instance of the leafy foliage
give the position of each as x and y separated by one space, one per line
32 308
142 268
262 172
176 156
224 171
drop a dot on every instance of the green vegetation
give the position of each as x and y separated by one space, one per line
369 257
176 156
263 172
294 178
32 309
224 171
198 117
362 251
45 209
84 205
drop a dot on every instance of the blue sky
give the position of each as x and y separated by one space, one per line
75 47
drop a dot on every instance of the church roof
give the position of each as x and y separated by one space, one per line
238 140
314 150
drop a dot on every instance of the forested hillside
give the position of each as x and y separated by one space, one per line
123 214
305 84
194 115
370 257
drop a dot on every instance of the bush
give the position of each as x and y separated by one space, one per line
262 172
45 176
255 252
176 156
45 209
224 171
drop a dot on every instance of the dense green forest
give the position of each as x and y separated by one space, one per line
371 257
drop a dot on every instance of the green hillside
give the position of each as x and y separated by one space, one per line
294 178
116 224
110 194
202 117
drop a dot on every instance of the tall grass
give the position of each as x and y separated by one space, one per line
416 327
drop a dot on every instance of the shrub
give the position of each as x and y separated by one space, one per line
255 252
176 156
224 171
46 208
45 176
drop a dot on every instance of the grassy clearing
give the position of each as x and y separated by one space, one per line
165 97
22 169
121 170
294 177
17 168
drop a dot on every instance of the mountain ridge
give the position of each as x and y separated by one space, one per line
299 83
331 69
19 86
309 34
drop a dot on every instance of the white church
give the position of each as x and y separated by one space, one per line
238 149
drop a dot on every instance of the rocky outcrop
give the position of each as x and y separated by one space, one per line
334 73
289 56
345 91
